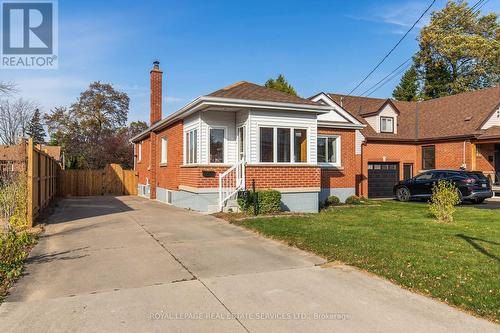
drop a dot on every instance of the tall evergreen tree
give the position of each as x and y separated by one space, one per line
281 84
407 90
35 128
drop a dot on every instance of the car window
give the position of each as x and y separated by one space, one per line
424 176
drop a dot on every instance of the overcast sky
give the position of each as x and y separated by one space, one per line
205 45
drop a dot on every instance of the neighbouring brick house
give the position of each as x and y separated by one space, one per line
200 155
401 139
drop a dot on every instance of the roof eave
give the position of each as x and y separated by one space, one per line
229 102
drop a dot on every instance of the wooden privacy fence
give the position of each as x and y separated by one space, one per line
110 180
42 180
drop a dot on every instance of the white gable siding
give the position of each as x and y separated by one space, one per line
259 118
374 122
494 120
387 111
333 115
359 141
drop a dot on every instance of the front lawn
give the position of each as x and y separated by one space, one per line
458 263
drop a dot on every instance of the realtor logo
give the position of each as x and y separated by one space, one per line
29 34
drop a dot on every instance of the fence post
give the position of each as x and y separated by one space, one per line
29 180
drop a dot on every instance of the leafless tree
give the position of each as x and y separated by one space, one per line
14 117
7 88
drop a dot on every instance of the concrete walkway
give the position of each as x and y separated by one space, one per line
128 264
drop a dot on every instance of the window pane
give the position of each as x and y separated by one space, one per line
266 144
322 150
283 138
332 150
187 149
386 125
300 145
428 158
163 150
241 142
216 145
195 146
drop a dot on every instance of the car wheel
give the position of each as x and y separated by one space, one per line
460 197
403 194
479 200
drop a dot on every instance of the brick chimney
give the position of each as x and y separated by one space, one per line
155 81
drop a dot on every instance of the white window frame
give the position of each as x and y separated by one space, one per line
139 152
238 142
275 144
224 128
164 150
186 147
338 145
382 118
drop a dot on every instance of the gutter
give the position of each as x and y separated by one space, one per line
228 102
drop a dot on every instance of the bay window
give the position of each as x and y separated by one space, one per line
329 150
282 145
267 144
191 151
216 145
283 142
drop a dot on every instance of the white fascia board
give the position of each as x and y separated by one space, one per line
325 98
332 124
205 101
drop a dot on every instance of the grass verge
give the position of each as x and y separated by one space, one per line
458 263
14 249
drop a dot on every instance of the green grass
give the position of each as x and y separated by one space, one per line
458 263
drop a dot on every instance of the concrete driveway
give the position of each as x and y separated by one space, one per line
127 264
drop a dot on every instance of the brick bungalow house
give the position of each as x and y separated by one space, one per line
401 139
199 156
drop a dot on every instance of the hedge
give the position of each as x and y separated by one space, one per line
268 202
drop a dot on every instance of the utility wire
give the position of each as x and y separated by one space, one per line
389 79
385 77
393 48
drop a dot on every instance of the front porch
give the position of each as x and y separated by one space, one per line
486 158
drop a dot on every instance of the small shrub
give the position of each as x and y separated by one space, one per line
268 202
14 247
355 200
443 201
332 201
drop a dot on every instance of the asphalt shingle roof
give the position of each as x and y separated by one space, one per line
450 116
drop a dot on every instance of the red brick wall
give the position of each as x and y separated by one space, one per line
276 177
449 155
167 176
387 152
193 176
485 151
346 176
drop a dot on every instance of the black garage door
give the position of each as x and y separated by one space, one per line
381 179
